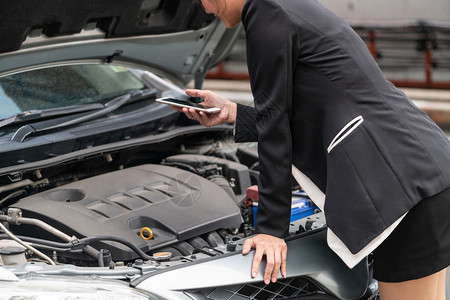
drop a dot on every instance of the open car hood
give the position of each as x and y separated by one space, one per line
171 37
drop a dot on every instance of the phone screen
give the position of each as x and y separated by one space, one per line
184 102
187 103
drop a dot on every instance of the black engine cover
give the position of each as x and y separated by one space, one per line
176 205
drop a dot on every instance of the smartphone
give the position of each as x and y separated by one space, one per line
188 104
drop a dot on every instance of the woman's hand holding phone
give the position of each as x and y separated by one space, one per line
227 113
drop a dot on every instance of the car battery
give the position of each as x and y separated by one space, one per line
301 205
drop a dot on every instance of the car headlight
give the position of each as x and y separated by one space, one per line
42 287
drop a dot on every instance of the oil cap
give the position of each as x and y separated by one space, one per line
166 255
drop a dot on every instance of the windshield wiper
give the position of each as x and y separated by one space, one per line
110 106
36 114
132 96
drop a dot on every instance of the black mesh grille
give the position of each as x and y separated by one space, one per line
291 288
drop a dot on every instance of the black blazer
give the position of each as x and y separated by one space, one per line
322 104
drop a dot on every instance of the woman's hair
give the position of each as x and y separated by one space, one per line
220 4
196 4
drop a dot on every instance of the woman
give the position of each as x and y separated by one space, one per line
323 106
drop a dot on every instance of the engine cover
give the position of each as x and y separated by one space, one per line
176 205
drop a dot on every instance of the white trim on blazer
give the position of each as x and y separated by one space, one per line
345 131
318 197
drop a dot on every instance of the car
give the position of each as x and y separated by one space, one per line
106 192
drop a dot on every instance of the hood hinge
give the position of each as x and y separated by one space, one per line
201 72
111 58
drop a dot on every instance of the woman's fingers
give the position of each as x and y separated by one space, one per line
190 113
257 261
198 93
277 265
193 92
227 113
270 266
283 262
275 250
203 118
207 96
210 99
248 245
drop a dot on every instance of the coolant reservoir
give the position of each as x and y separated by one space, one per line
12 253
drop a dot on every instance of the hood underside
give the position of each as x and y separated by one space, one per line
175 37
117 18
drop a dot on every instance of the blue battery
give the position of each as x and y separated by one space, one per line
301 207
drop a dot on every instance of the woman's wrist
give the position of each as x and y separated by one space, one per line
232 113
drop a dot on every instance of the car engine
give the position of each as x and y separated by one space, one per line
185 204
172 204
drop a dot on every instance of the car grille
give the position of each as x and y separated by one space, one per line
290 288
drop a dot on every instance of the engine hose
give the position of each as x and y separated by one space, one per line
58 250
86 241
255 166
181 165
41 242
12 195
16 185
18 240
92 252
224 184
233 156
138 251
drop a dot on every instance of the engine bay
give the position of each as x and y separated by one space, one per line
119 207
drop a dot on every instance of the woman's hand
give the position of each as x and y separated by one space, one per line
227 112
275 250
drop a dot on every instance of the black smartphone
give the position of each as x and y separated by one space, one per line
188 104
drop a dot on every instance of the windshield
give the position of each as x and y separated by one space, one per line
64 86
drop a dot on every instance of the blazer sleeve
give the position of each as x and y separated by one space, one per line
272 45
245 126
